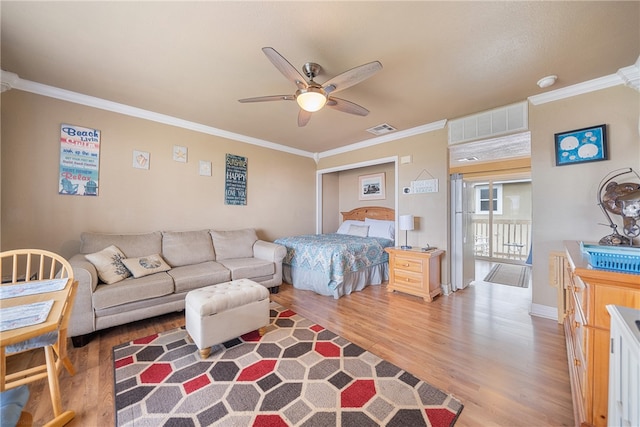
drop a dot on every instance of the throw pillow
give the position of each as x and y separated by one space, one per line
146 265
109 264
381 228
344 227
359 230
234 243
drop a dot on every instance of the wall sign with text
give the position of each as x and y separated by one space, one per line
79 160
235 187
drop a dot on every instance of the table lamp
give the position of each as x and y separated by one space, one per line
406 224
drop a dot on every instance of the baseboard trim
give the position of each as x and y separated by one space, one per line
545 311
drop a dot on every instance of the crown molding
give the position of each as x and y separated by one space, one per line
629 76
385 138
577 89
12 81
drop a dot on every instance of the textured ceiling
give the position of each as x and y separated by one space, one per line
194 60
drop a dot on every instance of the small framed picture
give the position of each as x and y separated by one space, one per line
371 187
180 154
141 159
205 168
581 145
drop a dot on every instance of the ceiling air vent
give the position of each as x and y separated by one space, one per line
489 124
381 129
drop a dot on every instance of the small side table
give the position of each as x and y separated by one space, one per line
415 272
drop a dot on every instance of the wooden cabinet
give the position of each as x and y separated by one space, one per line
587 326
415 272
624 367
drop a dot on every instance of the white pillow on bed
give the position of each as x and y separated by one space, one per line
358 230
381 228
344 227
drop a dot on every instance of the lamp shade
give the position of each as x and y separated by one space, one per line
311 99
406 222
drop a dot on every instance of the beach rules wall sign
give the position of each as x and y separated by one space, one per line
79 160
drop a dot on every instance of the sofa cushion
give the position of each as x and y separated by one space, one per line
195 276
130 290
146 265
108 264
234 244
133 245
187 247
249 268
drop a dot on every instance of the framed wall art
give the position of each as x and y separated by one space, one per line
371 187
205 168
581 145
180 154
141 159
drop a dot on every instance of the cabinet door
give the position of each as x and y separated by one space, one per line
600 378
604 295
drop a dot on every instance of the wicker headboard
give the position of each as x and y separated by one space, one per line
371 212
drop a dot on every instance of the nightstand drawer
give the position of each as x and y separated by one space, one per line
415 272
406 278
407 264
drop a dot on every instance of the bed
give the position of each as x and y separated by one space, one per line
336 264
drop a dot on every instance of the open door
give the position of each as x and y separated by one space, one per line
461 237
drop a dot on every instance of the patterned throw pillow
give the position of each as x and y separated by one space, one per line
146 265
109 264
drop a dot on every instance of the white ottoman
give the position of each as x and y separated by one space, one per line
218 313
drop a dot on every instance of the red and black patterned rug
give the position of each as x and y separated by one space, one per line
297 374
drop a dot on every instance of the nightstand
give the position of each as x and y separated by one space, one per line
415 272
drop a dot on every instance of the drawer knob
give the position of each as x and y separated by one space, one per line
576 362
576 324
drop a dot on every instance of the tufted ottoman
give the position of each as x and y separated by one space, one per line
218 313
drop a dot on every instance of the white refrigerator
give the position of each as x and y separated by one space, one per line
462 240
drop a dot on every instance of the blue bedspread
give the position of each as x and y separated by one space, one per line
334 254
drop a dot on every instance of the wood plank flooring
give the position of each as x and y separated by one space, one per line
480 344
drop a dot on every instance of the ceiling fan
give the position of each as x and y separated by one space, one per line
312 96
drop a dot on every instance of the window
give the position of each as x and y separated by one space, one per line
483 199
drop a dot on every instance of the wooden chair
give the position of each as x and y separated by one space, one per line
28 265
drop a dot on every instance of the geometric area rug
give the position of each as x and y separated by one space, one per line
297 374
509 274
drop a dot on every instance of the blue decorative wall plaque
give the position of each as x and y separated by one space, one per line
235 188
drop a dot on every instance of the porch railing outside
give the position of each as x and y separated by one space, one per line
511 239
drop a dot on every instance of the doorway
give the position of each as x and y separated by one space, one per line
501 218
498 202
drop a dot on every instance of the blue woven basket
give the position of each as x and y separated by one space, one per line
617 258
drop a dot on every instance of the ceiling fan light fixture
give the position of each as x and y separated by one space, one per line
311 99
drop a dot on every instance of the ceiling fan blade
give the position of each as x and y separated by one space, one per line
285 67
352 77
269 98
346 106
303 117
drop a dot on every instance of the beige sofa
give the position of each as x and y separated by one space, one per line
187 260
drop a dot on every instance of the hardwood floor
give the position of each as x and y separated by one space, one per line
480 344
